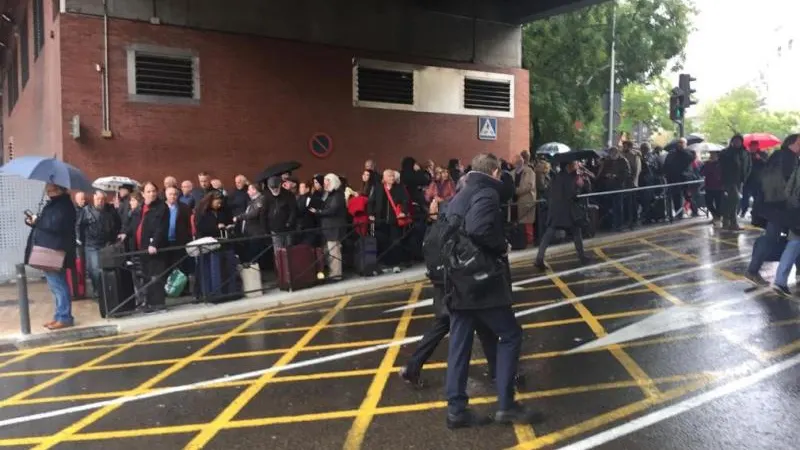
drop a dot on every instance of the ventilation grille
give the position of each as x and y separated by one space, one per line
487 95
165 76
385 86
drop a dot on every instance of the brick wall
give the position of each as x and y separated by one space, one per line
34 125
261 100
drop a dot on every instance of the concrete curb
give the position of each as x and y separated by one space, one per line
193 313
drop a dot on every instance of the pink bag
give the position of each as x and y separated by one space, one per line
46 259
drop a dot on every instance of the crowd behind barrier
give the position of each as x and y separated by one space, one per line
357 263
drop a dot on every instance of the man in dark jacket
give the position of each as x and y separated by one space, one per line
54 228
677 169
565 212
735 165
280 213
96 226
479 205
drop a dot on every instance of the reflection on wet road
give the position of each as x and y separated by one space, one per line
659 344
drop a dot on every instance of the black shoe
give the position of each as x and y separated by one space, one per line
756 279
585 260
517 415
540 266
412 380
783 291
466 419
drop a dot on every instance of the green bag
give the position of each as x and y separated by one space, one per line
176 282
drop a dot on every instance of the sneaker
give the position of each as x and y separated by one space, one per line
783 291
756 279
518 414
410 379
466 419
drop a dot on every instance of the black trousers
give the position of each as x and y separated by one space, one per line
432 338
464 323
577 238
152 279
714 203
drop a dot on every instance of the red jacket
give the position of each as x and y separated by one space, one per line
357 207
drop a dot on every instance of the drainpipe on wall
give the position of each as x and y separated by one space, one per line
106 133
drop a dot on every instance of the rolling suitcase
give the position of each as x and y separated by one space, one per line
76 279
366 255
117 286
217 276
296 267
251 279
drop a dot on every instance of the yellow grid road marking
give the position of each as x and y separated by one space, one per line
147 385
649 389
726 273
355 437
75 370
211 429
352 413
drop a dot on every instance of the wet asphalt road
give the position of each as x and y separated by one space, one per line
676 327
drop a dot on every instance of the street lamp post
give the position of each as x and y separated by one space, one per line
612 76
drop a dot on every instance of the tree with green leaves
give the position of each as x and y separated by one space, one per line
743 110
569 60
645 104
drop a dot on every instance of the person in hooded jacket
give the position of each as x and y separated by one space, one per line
333 221
478 203
735 165
54 228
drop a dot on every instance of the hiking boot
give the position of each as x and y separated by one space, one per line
518 414
466 419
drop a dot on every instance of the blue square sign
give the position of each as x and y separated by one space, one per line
487 128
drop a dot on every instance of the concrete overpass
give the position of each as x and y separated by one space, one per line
151 87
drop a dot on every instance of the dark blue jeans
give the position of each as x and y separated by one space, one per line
500 321
763 246
57 282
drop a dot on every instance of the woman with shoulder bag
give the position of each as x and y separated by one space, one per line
51 248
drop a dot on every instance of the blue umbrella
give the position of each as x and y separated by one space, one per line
48 170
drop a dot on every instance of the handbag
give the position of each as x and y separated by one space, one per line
46 259
402 222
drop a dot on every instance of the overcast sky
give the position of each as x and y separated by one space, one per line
735 39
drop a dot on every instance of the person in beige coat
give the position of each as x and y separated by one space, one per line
525 182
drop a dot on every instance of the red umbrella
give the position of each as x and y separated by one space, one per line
765 140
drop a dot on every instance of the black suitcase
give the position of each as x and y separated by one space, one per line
117 287
365 258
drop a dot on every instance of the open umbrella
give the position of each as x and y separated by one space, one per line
706 147
48 170
690 140
553 148
113 183
765 140
278 169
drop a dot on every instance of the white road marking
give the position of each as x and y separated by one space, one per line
189 387
517 285
627 286
672 319
683 406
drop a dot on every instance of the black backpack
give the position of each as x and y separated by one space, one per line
773 185
437 238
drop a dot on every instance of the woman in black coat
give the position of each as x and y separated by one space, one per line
387 231
147 231
54 228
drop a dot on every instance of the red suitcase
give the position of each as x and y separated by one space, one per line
296 267
76 280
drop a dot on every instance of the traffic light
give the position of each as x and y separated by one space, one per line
676 105
685 84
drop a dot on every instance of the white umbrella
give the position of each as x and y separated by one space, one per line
113 183
706 147
553 148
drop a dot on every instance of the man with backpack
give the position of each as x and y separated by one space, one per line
735 165
772 202
478 292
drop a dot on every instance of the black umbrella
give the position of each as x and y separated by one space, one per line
575 155
690 139
278 170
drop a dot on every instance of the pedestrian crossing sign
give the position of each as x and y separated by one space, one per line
487 128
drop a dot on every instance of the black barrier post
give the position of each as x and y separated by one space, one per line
24 304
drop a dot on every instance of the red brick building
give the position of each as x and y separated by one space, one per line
192 87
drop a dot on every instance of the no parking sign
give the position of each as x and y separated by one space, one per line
320 145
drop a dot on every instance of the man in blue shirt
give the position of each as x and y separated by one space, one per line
179 232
